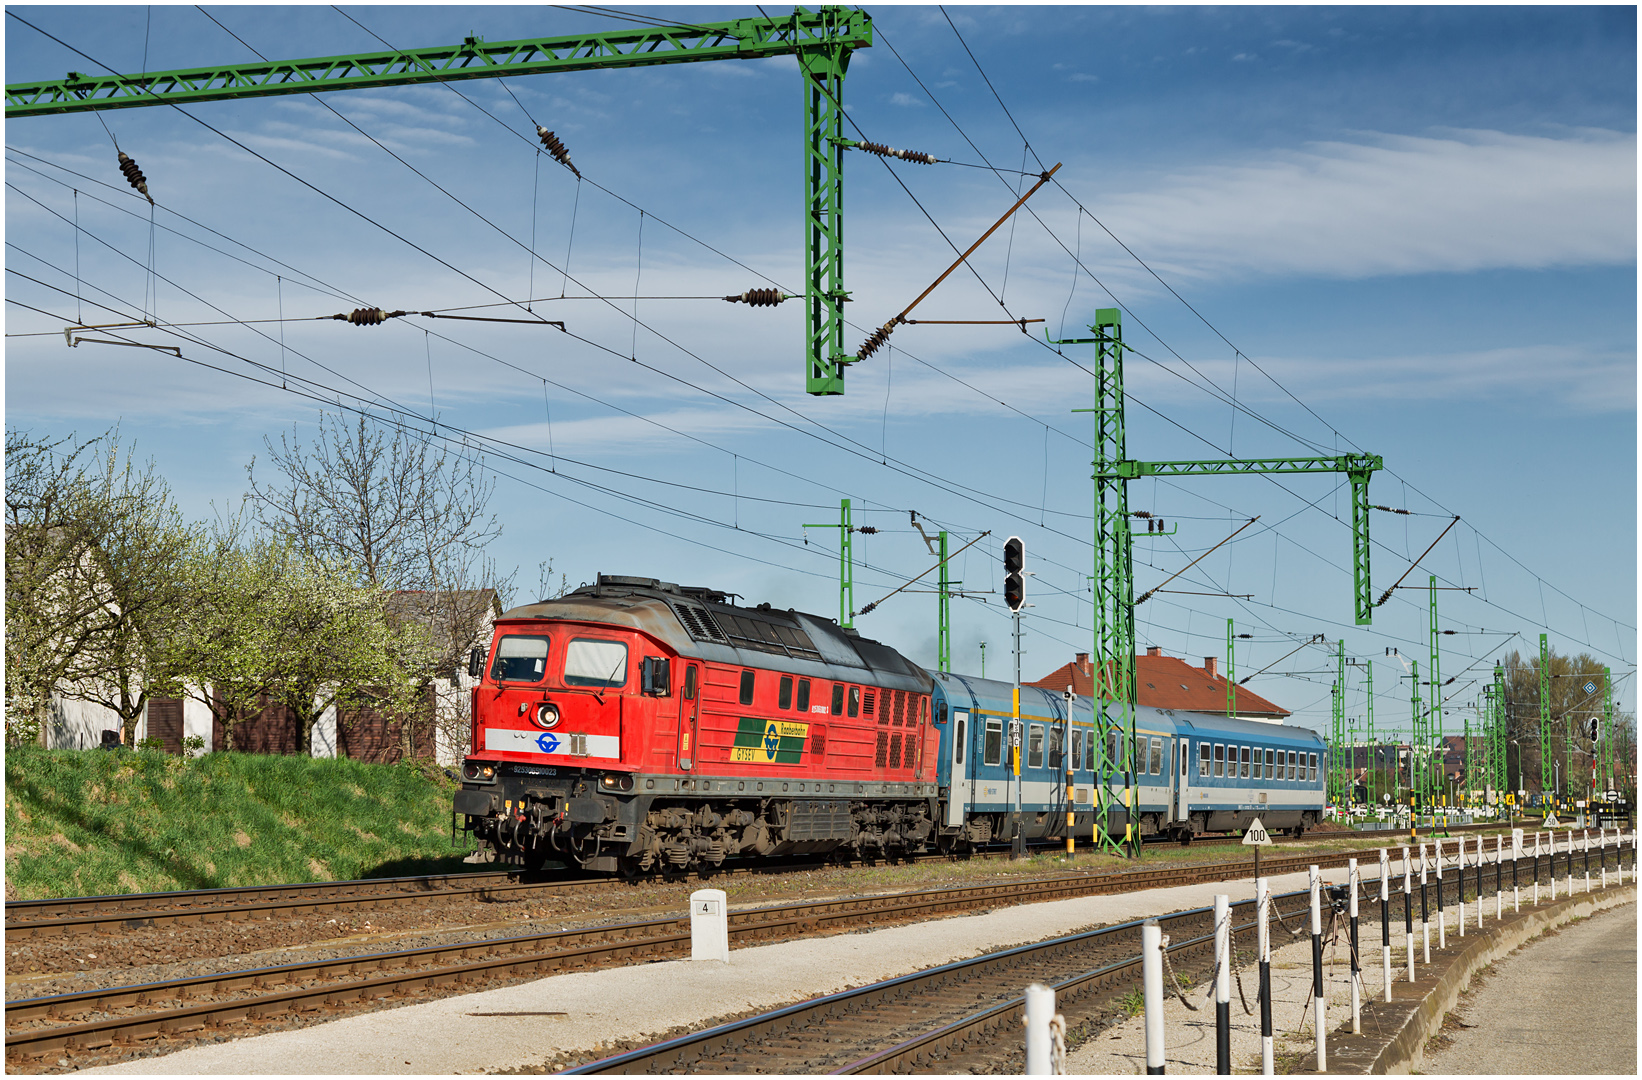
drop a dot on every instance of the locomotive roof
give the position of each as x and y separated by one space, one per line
706 624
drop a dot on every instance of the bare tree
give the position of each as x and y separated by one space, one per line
390 504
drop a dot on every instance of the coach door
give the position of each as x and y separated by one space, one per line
689 712
1182 779
961 753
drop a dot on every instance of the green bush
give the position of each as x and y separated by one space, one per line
86 822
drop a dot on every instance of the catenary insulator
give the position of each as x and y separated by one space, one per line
868 530
556 148
905 155
875 342
134 176
759 297
369 316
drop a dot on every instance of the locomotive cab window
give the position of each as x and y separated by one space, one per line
785 700
595 663
746 688
993 749
838 699
520 658
803 695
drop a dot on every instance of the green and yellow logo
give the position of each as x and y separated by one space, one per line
769 742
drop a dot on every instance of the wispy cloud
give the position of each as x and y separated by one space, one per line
1395 205
899 98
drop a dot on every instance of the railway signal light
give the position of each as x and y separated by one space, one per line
1014 570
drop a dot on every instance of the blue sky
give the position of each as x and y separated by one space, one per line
1420 223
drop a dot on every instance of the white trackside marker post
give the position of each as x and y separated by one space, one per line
1319 1000
1570 862
1356 965
1536 872
1461 890
1262 904
709 925
1585 841
1385 920
1602 854
1040 1010
1151 968
1517 852
1408 911
1425 910
1222 984
1499 878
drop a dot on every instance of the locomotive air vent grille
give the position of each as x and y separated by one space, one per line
700 624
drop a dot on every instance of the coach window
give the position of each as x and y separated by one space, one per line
1203 759
595 663
1090 752
838 699
1245 773
958 739
1219 760
1313 776
1056 738
1268 764
803 695
1114 751
1034 747
785 699
1157 758
520 659
746 688
1077 748
855 701
993 749
1291 756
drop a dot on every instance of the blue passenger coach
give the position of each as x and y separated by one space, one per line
1195 773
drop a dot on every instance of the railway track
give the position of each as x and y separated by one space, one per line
93 914
210 1004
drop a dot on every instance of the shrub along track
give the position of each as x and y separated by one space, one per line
111 1024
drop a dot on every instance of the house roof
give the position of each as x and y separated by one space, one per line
1168 682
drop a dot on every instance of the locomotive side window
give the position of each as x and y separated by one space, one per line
1219 760
746 688
1034 747
838 699
1203 759
1269 754
993 749
690 683
520 659
803 695
785 701
855 701
595 663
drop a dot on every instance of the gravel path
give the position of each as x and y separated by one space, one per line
1563 1003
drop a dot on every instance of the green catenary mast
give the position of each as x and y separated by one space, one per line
822 42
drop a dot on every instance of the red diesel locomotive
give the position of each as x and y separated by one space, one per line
634 724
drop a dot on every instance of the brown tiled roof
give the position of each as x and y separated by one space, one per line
1167 682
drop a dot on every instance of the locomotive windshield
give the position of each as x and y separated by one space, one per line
595 663
520 659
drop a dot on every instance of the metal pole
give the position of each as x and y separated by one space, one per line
1585 834
1018 844
1408 911
1356 965
1319 1006
1385 919
1040 1010
1222 984
1151 967
1262 903
1570 862
1066 754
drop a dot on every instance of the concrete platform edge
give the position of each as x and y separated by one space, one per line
1403 1051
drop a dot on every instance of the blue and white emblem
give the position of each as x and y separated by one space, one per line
548 742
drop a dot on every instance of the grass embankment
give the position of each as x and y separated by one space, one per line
82 823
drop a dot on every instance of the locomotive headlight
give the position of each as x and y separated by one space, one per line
478 770
546 715
620 783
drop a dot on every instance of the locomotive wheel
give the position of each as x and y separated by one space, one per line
533 860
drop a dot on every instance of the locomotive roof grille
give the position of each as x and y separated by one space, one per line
746 631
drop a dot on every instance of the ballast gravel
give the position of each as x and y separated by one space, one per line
543 1023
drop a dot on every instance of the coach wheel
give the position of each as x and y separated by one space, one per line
1298 831
1185 836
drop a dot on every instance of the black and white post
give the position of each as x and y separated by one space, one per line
1222 985
1442 914
1319 1002
1425 908
1262 904
1151 970
1385 919
1408 911
1356 965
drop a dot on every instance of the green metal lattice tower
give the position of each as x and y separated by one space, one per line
1338 769
822 41
1605 749
943 614
1436 690
1547 755
1499 744
1113 580
1419 741
846 562
1231 671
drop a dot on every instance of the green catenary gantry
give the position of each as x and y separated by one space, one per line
822 41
